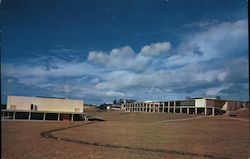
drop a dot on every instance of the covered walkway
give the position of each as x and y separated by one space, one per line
42 115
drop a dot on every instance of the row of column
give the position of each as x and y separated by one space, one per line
156 108
44 116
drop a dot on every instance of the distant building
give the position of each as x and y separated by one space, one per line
108 107
114 107
48 107
89 108
202 105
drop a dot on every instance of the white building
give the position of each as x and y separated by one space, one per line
203 105
43 108
44 104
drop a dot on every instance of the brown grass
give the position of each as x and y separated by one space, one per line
129 135
243 113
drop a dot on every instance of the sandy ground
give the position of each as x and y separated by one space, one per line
243 113
128 135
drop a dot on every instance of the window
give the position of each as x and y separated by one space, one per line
187 103
33 107
171 103
177 103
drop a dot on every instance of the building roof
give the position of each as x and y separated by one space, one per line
51 97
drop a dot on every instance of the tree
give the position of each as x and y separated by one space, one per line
103 106
130 100
121 101
115 102
218 97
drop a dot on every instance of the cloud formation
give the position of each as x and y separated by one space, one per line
124 58
155 49
210 62
224 40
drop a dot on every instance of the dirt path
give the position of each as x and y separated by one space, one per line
49 135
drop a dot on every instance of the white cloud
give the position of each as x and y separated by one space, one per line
115 94
202 24
119 58
37 76
29 81
114 58
221 76
177 78
214 91
65 69
219 41
63 88
95 80
10 80
155 49
63 49
126 58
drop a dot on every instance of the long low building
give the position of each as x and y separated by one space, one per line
43 108
203 105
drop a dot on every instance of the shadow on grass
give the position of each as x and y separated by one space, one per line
95 119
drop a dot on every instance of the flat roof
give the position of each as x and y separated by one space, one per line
33 111
43 97
51 97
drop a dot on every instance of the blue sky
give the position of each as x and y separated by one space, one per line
99 50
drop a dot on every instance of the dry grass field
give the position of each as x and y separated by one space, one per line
128 135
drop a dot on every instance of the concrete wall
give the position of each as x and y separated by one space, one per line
233 105
45 104
215 103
